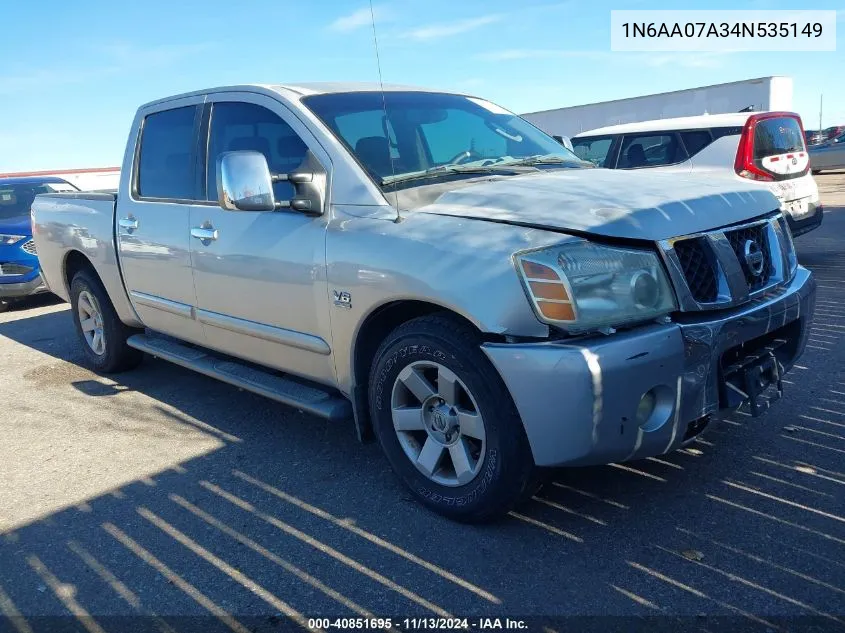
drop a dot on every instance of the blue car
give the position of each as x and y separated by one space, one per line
20 274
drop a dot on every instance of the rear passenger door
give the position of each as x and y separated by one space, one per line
261 282
153 235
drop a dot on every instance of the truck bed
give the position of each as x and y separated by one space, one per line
82 223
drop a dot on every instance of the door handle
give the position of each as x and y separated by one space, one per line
204 233
130 223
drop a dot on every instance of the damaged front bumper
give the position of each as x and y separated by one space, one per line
646 391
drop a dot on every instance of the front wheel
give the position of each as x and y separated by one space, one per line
446 421
102 333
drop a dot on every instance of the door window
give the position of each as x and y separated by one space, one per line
593 149
650 150
166 157
246 126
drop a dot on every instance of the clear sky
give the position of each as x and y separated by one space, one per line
73 73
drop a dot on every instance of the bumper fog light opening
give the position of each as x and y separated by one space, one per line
655 408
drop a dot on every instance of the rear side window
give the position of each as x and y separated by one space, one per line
696 140
650 150
773 137
166 159
593 149
237 126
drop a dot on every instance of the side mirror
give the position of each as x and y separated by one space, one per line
244 183
565 141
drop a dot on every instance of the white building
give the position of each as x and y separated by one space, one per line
765 93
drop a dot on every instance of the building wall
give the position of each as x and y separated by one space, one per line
767 93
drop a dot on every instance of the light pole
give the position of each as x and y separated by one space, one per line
821 102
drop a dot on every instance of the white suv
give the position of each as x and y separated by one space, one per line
765 147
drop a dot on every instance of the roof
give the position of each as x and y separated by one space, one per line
756 80
680 123
30 180
327 87
301 89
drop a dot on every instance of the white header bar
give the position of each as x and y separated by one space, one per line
728 31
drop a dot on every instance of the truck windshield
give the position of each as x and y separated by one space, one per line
428 134
16 199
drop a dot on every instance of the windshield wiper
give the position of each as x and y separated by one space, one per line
546 159
453 169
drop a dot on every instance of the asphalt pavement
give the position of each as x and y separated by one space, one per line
162 500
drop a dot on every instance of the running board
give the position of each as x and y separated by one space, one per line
311 399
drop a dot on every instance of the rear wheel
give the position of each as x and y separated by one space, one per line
102 333
446 421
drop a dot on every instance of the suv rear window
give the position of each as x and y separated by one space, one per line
773 137
696 140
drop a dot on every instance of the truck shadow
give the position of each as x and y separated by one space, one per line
287 514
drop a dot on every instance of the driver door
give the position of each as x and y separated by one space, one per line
261 283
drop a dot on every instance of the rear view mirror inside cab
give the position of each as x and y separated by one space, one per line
426 116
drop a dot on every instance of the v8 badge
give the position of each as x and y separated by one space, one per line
342 299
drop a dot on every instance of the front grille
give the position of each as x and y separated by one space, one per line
699 269
29 247
758 234
14 270
716 269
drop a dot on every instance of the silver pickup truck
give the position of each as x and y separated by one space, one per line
436 269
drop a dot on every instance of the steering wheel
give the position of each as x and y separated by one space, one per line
466 156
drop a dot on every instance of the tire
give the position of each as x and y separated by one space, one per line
815 172
498 470
5 306
111 354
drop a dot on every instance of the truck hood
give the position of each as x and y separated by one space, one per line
641 204
17 225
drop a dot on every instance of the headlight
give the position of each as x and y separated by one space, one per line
10 239
789 247
582 286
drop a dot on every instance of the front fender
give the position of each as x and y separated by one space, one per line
464 266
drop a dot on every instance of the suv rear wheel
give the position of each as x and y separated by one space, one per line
446 421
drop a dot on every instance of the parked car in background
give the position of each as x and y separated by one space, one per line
765 149
828 155
437 269
813 137
833 132
20 274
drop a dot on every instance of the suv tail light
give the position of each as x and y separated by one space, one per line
771 145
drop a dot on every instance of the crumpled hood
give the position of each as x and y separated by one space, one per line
641 204
17 225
